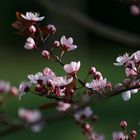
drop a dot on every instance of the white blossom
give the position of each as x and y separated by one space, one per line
121 60
32 16
126 95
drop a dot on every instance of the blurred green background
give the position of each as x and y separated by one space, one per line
17 63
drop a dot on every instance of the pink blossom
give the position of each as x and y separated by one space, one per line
118 136
32 117
32 16
48 73
86 112
134 10
23 88
38 78
121 60
97 85
62 106
136 56
67 44
72 68
61 81
130 72
4 86
30 44
96 136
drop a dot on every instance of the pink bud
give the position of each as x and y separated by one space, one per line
92 70
30 44
14 91
123 124
46 54
56 44
133 133
130 72
32 29
134 10
51 29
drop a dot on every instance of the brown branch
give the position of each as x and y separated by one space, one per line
58 116
105 31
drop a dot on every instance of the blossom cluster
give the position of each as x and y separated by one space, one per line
47 83
63 88
98 83
132 65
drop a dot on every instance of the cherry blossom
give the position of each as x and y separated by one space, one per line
95 136
121 60
30 44
4 86
118 136
61 81
23 88
38 78
136 56
62 106
97 85
86 112
67 44
32 16
130 72
48 73
32 117
72 68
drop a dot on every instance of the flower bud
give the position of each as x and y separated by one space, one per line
30 44
86 127
51 29
32 29
46 54
56 44
133 134
123 124
92 70
14 91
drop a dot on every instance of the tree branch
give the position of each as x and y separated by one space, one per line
58 116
